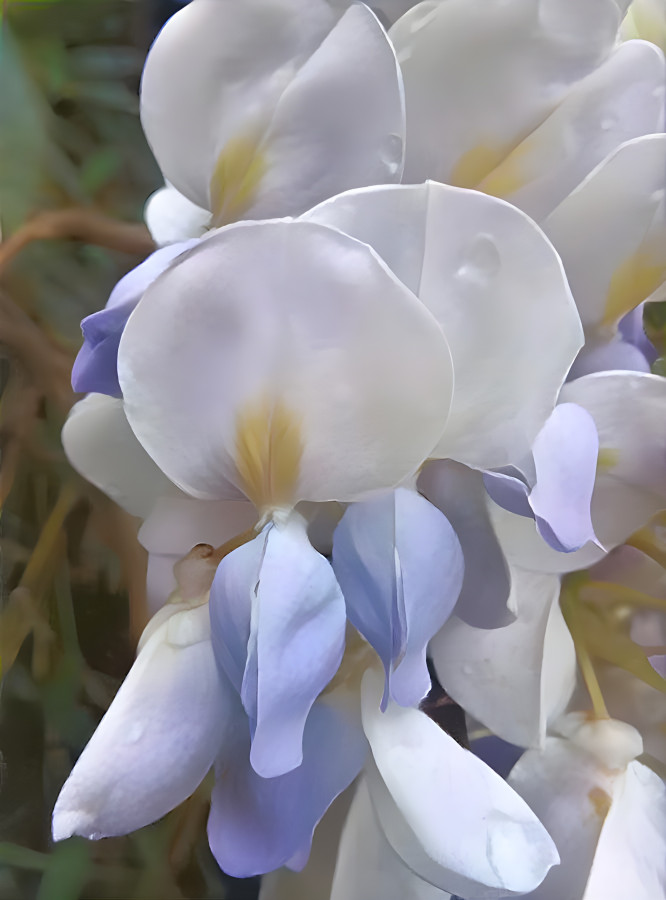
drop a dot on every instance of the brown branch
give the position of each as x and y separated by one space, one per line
78 224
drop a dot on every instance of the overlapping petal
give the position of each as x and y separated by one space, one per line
628 409
171 217
452 820
400 567
285 384
259 824
462 119
497 288
279 631
263 108
515 679
158 739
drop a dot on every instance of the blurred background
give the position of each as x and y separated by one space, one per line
75 172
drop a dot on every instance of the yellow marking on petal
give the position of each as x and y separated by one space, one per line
600 800
633 281
475 164
607 459
269 448
238 172
510 175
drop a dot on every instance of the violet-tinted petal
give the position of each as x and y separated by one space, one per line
658 663
258 824
278 618
460 494
608 357
500 755
509 492
400 567
96 366
632 331
565 458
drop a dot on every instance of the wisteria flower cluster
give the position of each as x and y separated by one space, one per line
382 399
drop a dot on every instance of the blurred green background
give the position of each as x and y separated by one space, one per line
72 571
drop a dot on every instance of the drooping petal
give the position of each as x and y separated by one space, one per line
316 877
565 458
497 288
259 824
158 739
278 628
628 409
478 667
102 447
295 101
171 217
463 120
611 235
400 567
460 494
621 100
96 365
367 866
284 382
453 820
573 786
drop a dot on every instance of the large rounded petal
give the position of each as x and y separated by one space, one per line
102 447
478 667
621 100
496 286
314 375
158 739
453 820
265 107
611 235
463 119
367 867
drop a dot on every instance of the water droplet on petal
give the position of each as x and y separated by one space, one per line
391 153
135 733
481 261
95 836
607 123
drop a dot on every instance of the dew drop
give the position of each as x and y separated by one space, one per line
481 261
95 836
135 733
607 123
391 153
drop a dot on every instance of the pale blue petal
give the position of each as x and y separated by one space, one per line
460 494
565 457
278 613
400 567
509 492
258 824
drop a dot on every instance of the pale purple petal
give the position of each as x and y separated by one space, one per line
278 616
96 366
400 567
258 824
658 663
509 492
565 458
460 494
606 357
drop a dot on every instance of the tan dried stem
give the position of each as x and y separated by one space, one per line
77 224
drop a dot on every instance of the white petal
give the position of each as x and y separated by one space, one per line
631 853
176 525
497 288
367 866
102 447
611 235
621 100
452 819
339 124
171 217
158 739
462 120
262 108
477 667
284 382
